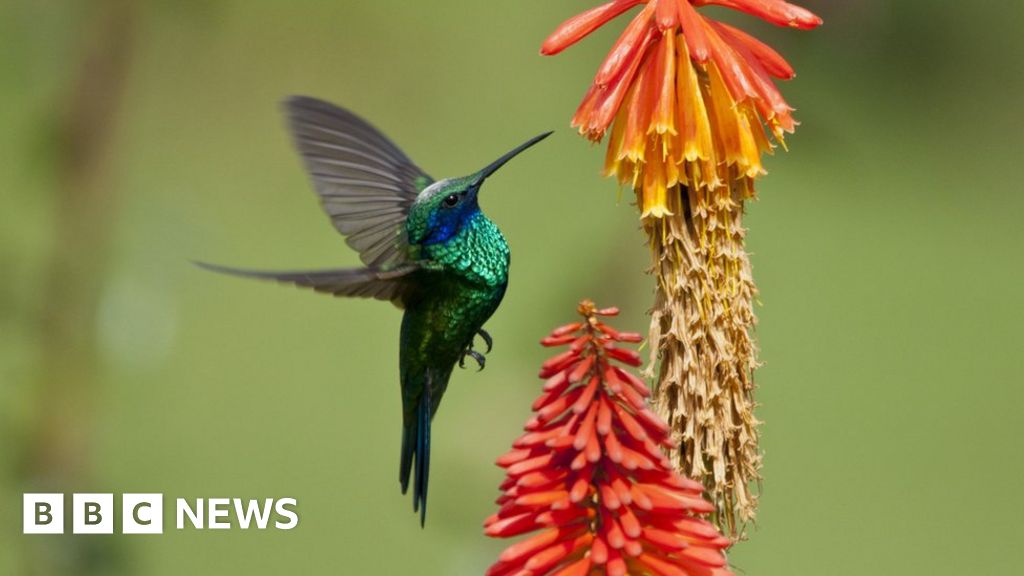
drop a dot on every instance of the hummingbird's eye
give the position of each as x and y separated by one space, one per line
451 200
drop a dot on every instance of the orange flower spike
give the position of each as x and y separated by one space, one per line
599 498
632 87
690 105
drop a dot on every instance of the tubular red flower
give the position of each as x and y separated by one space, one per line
587 480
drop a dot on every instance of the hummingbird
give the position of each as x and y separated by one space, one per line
426 247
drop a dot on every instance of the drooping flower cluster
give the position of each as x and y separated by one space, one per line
691 107
689 97
589 477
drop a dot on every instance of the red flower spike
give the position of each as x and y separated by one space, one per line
588 480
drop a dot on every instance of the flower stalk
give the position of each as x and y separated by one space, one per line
689 107
588 478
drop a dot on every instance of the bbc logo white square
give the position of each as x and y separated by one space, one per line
92 513
43 514
142 513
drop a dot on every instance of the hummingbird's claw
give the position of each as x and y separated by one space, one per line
475 356
487 339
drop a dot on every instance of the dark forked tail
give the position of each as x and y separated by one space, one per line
416 447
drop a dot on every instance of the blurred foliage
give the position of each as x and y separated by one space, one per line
884 246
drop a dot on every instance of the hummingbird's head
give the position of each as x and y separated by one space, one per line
442 208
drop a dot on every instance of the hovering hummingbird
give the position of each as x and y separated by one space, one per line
427 247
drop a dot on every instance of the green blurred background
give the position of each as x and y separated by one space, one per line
138 135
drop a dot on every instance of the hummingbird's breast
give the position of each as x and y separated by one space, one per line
460 294
478 253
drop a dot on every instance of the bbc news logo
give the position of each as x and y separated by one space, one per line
144 513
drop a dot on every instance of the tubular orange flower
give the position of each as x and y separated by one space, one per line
690 106
589 479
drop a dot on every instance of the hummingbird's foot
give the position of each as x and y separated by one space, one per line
487 339
475 356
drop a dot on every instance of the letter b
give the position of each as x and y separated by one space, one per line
92 514
43 514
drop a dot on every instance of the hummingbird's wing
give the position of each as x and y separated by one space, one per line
366 184
392 285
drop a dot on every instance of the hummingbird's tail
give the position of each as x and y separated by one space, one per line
416 446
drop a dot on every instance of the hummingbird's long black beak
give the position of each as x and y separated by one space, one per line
493 166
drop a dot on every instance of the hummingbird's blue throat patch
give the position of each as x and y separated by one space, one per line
444 224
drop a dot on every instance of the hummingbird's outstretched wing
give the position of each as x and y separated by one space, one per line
366 183
392 285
